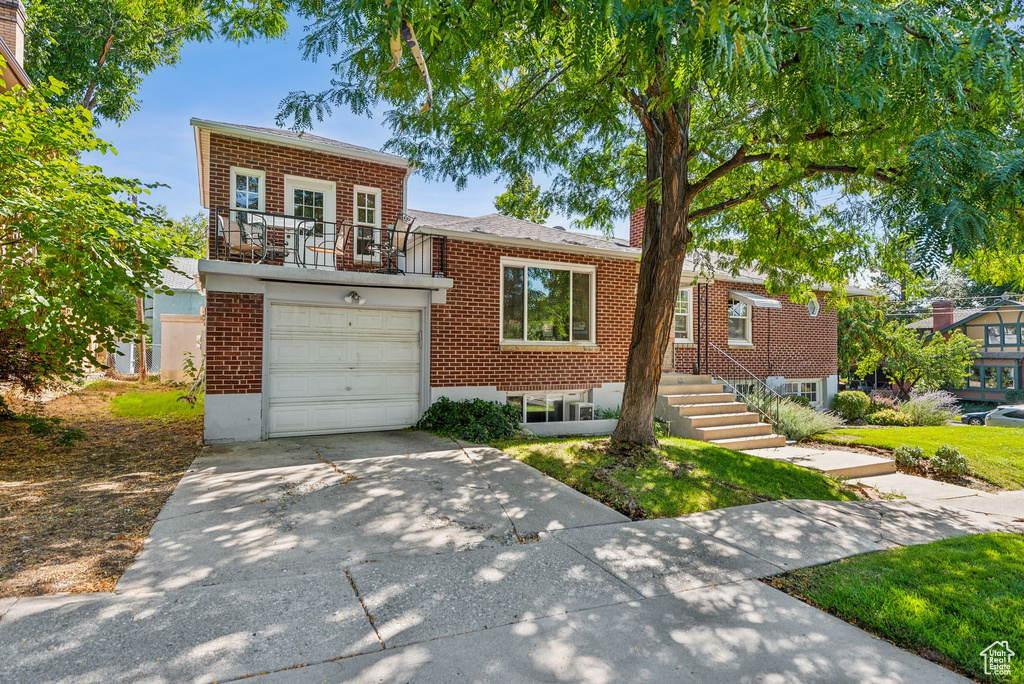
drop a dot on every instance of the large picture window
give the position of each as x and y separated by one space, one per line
683 316
547 303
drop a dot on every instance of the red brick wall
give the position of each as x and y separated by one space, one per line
466 331
636 227
279 160
799 346
234 343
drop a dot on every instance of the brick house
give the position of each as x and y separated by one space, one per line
325 314
12 45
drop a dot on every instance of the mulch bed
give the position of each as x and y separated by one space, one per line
72 518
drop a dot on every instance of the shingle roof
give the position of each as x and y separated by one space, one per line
506 226
303 136
186 280
958 315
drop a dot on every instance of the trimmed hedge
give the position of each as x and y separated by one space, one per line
889 417
473 420
851 404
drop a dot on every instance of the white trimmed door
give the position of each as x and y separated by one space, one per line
334 369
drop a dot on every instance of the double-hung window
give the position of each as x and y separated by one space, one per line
367 221
802 388
248 191
683 315
739 322
546 303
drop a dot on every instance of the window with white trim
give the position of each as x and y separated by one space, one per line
814 307
683 317
803 388
739 321
546 303
248 187
544 407
367 220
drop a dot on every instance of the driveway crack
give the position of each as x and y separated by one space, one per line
367 612
522 539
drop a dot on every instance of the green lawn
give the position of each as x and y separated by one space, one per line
709 476
947 600
993 454
161 405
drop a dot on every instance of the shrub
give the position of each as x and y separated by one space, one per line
799 422
909 456
799 399
851 405
974 407
1015 396
888 416
935 407
879 403
604 413
60 435
948 459
473 420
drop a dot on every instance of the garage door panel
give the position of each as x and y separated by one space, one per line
341 370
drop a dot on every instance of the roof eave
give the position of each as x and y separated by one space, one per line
258 136
14 70
428 229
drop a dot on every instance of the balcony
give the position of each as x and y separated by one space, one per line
257 237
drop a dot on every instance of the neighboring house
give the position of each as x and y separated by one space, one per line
321 318
12 44
999 328
174 319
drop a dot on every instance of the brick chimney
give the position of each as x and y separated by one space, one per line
942 314
636 227
12 28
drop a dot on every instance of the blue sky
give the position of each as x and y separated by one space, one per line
156 143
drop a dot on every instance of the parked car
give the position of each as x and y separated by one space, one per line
974 418
1006 416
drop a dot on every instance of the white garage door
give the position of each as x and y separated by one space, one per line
342 370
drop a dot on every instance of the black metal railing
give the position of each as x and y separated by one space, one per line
260 237
737 378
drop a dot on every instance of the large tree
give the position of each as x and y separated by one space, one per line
103 49
915 362
775 132
73 242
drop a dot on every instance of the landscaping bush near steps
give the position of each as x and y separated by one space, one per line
799 422
889 416
473 420
936 407
851 404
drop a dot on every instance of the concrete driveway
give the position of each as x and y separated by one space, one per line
406 557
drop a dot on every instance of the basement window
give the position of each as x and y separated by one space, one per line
545 407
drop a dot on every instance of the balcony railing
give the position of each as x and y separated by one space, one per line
259 237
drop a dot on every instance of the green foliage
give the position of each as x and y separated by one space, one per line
879 402
799 422
948 600
523 200
156 405
949 460
799 399
187 236
1014 396
662 428
473 420
889 416
102 49
605 413
73 244
59 434
936 407
859 322
909 456
851 405
922 363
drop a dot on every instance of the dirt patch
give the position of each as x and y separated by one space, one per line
73 517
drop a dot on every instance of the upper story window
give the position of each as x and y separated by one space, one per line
683 319
739 322
367 220
249 189
546 303
814 307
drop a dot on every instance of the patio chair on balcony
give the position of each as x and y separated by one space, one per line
246 237
392 244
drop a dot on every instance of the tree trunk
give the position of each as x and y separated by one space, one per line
665 241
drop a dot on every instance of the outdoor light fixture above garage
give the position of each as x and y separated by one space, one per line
354 297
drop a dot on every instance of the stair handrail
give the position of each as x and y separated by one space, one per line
767 402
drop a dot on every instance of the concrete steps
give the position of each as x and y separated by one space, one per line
698 408
831 461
